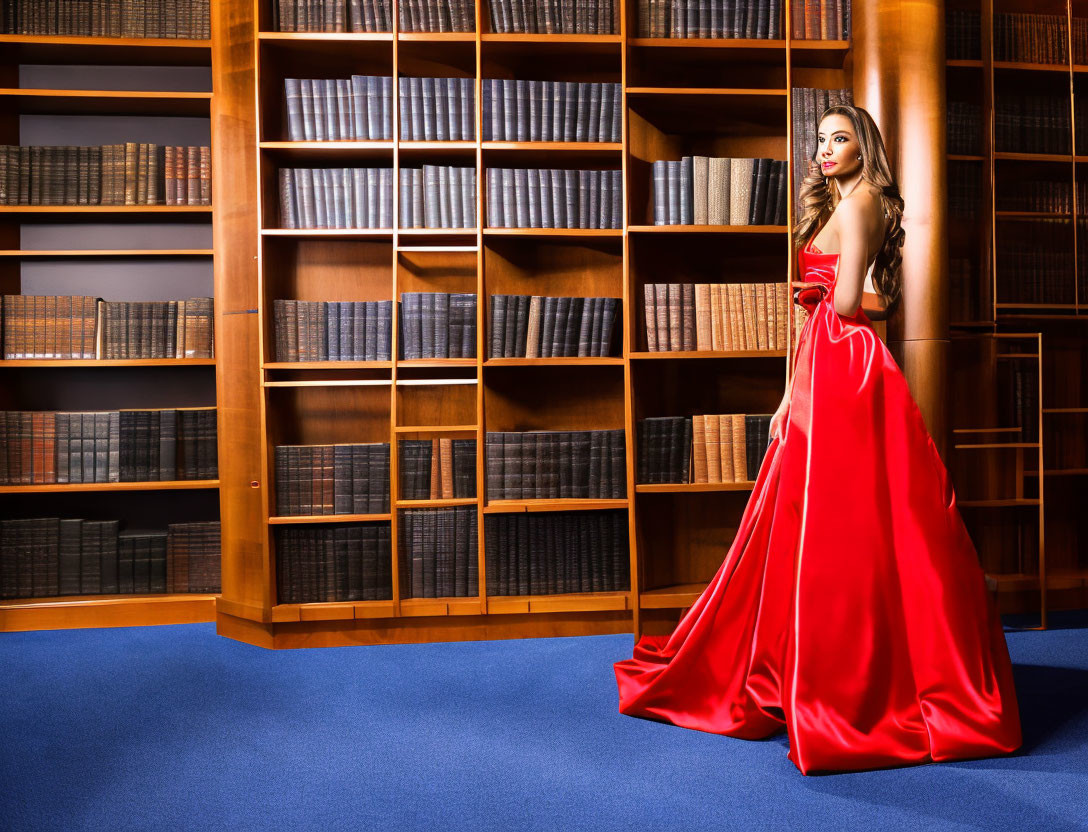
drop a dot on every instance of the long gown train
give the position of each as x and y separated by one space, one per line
851 607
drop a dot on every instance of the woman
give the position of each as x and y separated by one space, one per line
850 608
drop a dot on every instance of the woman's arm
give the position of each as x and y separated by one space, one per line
854 218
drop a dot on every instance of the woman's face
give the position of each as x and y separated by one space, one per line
837 147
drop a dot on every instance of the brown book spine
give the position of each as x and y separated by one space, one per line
740 456
713 459
700 462
436 470
132 152
446 455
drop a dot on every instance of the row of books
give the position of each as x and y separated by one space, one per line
341 562
1036 122
134 173
716 19
516 109
1039 195
1080 120
710 448
1032 38
824 20
328 109
439 552
107 446
964 187
318 330
709 190
536 326
439 468
84 327
436 16
108 18
570 17
554 464
332 479
332 16
806 106
44 557
547 553
438 196
1039 270
716 316
1019 404
554 198
336 197
437 325
963 130
962 34
437 109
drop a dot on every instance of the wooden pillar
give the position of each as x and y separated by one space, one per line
898 75
246 590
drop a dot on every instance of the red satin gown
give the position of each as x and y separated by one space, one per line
851 607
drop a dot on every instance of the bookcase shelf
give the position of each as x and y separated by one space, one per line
162 485
65 49
666 112
104 611
104 102
94 253
108 362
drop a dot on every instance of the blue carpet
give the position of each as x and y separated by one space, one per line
177 728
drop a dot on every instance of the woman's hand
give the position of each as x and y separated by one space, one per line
778 420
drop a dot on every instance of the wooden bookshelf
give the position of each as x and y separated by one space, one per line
677 534
68 246
993 184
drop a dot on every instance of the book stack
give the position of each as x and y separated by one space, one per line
335 109
318 330
716 19
829 20
436 16
43 326
1044 195
664 449
334 562
1036 270
192 557
707 190
963 34
134 173
546 553
550 464
715 316
537 326
437 325
107 446
1035 122
336 197
332 16
518 110
552 17
964 194
1080 40
437 468
1031 38
438 196
554 198
155 329
439 552
964 130
332 479
83 327
807 104
437 109
1019 402
108 18
44 557
729 447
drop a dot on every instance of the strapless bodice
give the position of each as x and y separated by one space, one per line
816 267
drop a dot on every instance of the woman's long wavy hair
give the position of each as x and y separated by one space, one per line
817 201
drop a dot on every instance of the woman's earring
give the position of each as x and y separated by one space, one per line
859 158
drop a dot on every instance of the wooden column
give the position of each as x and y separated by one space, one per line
246 592
899 73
